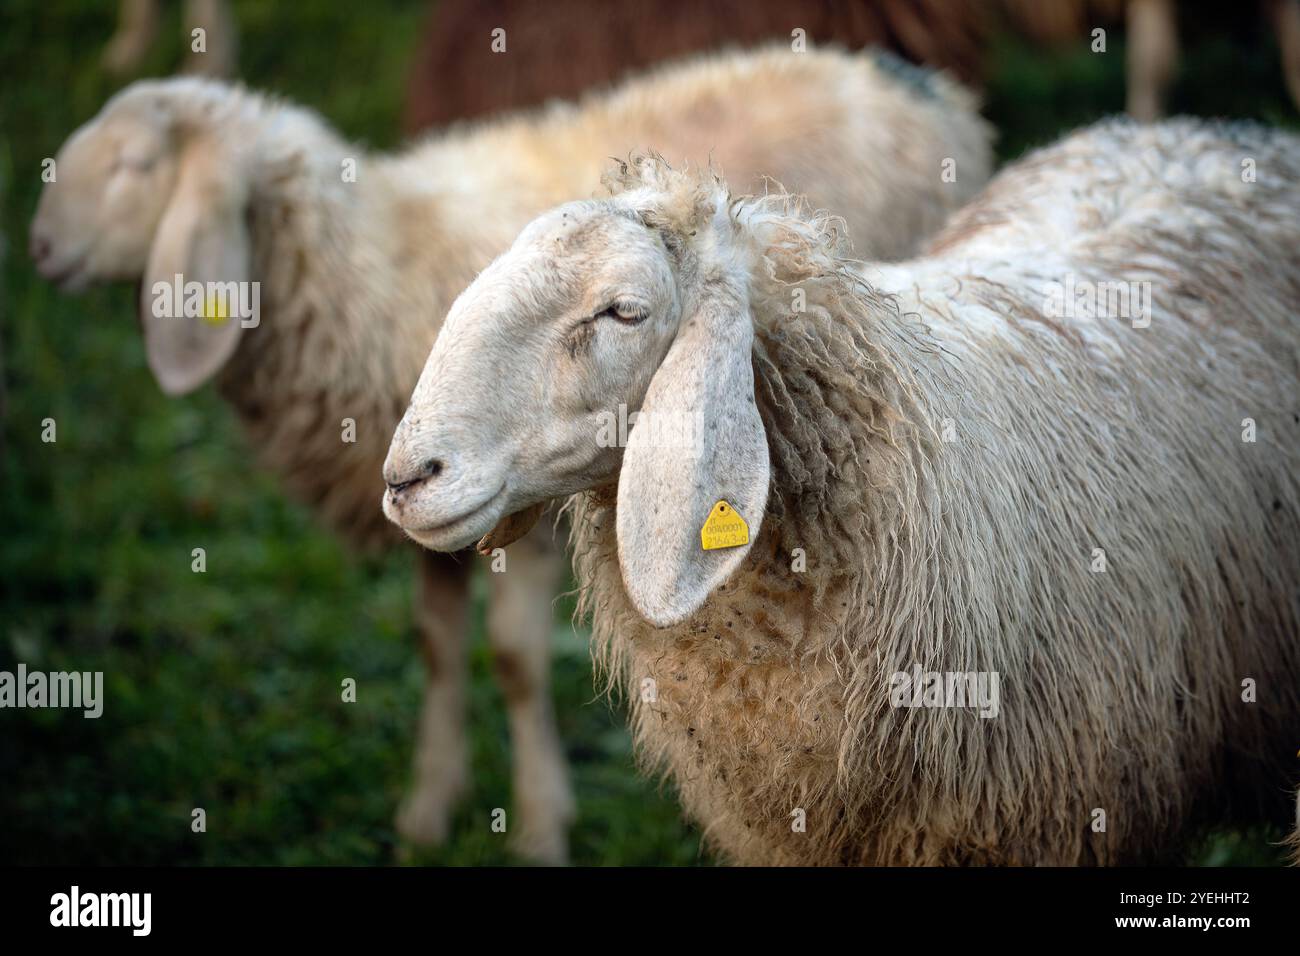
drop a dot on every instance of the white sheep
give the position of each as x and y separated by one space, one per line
357 256
1018 584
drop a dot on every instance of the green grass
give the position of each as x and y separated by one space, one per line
224 688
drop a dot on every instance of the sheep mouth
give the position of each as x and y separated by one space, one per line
464 530
68 276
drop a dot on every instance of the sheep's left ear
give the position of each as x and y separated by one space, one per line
201 238
702 397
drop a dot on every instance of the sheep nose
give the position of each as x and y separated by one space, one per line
38 247
430 469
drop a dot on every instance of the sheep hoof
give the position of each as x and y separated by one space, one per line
545 847
544 816
424 818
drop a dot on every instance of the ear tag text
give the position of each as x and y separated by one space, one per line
723 528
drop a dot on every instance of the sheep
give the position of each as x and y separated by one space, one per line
561 48
357 256
914 563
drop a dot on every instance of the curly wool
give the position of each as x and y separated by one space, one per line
1122 691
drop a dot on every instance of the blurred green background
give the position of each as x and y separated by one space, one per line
224 688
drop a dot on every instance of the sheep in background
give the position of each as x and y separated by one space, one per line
358 256
930 458
1153 50
1151 28
137 28
562 48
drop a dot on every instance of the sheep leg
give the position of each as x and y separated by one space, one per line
1152 51
137 25
215 18
519 626
440 765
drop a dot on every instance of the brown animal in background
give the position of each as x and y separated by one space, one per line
561 48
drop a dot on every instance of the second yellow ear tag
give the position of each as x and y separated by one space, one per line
723 528
214 309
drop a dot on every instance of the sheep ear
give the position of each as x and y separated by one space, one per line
201 238
704 392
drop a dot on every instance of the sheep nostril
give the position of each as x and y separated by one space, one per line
430 469
397 487
38 248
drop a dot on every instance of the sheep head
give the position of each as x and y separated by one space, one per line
148 189
610 344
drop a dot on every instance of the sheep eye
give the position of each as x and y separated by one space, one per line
623 312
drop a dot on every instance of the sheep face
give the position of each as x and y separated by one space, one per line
600 317
111 182
568 325
150 189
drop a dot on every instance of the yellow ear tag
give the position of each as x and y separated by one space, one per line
214 309
723 528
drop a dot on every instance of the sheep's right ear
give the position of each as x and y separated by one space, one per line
704 390
201 238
